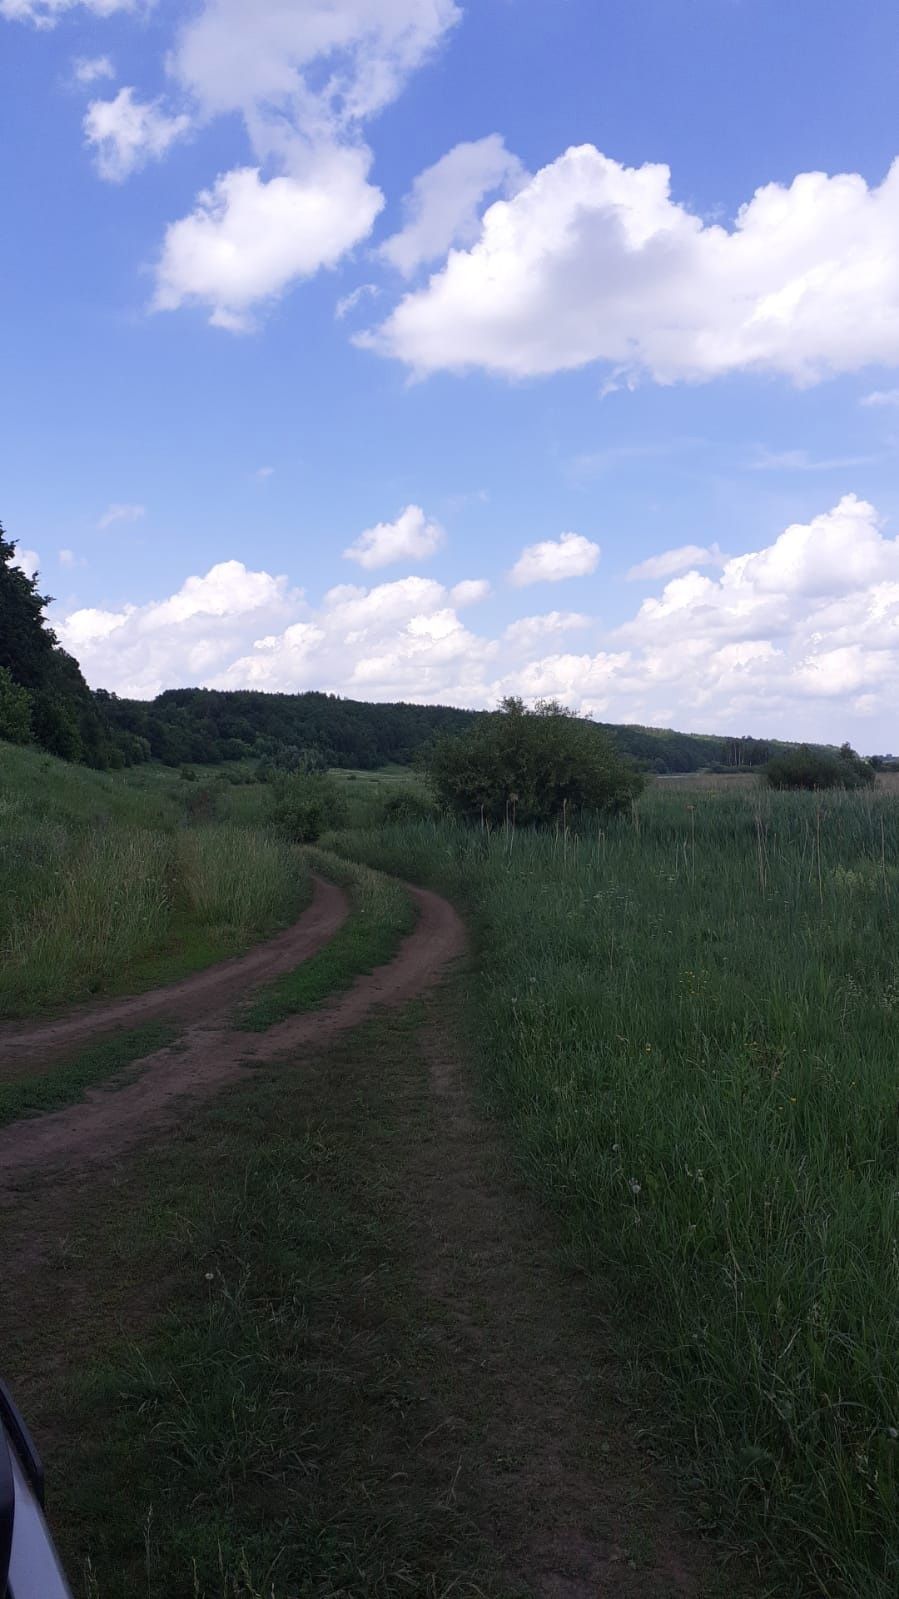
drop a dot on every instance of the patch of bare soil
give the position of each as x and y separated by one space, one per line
193 999
210 1053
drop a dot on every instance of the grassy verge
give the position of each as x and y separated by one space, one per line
232 1375
381 916
688 1018
106 886
69 1081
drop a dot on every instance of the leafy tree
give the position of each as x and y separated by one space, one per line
810 768
65 717
530 766
15 710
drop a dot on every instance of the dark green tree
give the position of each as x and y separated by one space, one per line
811 768
64 716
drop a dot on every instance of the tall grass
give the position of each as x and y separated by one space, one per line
104 887
690 1017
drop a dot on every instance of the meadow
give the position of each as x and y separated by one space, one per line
684 1020
687 1017
111 883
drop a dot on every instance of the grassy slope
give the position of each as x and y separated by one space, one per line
112 883
690 1021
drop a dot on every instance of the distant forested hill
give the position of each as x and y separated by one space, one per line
198 724
206 725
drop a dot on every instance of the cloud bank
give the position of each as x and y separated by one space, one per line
594 261
799 637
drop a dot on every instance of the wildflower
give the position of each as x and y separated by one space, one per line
634 1186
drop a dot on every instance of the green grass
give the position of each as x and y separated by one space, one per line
689 1019
68 1081
380 917
273 1426
112 883
366 793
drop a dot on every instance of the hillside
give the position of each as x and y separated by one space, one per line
206 725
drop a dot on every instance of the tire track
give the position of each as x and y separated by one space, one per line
110 1121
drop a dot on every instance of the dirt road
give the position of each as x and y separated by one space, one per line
204 994
211 1052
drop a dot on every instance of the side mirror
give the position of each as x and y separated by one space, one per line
29 1564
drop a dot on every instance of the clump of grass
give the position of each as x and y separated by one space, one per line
689 1017
67 1082
381 916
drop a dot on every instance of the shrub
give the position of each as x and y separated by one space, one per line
409 806
15 710
530 766
816 769
305 804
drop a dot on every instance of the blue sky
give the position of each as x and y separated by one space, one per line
409 279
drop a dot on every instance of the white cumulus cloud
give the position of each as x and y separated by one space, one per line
552 560
28 561
324 63
881 397
529 630
46 13
677 560
126 133
248 239
91 69
594 261
442 208
410 538
145 648
118 512
471 591
304 77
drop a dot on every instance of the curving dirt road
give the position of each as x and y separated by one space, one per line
209 1055
193 999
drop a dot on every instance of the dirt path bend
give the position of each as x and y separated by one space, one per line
193 999
110 1121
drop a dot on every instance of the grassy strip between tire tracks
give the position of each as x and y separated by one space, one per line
381 916
68 1081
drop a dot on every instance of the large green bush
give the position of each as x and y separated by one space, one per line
813 769
305 805
532 767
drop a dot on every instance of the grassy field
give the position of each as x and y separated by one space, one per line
685 1017
113 883
688 1016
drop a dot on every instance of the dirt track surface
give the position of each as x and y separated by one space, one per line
193 999
111 1121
